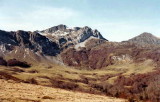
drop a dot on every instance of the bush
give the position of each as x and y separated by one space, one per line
140 87
32 81
64 85
2 61
14 62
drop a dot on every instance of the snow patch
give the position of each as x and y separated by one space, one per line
58 33
2 48
15 51
27 51
83 44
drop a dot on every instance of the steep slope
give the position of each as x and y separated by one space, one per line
31 40
138 49
46 45
65 36
20 92
28 46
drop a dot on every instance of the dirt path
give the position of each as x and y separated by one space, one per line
20 92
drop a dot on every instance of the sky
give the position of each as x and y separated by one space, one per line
117 20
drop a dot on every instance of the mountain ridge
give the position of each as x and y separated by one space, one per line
66 37
35 47
51 45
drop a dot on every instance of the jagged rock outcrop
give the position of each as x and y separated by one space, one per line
43 45
65 36
30 40
26 46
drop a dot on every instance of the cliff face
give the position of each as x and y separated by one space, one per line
30 40
46 44
26 46
66 37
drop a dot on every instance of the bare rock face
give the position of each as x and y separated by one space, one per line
38 45
65 36
78 46
31 40
55 28
27 46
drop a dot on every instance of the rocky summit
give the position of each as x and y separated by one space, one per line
145 38
65 36
44 45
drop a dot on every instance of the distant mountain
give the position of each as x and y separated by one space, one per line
145 38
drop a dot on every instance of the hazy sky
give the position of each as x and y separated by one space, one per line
117 20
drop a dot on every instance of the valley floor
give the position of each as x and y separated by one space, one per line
11 91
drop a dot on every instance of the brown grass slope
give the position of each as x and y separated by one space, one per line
114 80
11 91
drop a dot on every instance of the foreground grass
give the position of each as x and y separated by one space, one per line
11 91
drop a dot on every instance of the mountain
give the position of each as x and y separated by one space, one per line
30 40
118 69
138 49
145 38
78 46
27 46
44 46
66 37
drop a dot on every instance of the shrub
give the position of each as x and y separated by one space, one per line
14 62
2 61
64 85
140 87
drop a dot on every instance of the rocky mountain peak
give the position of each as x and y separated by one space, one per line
145 38
86 27
146 34
65 36
60 27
